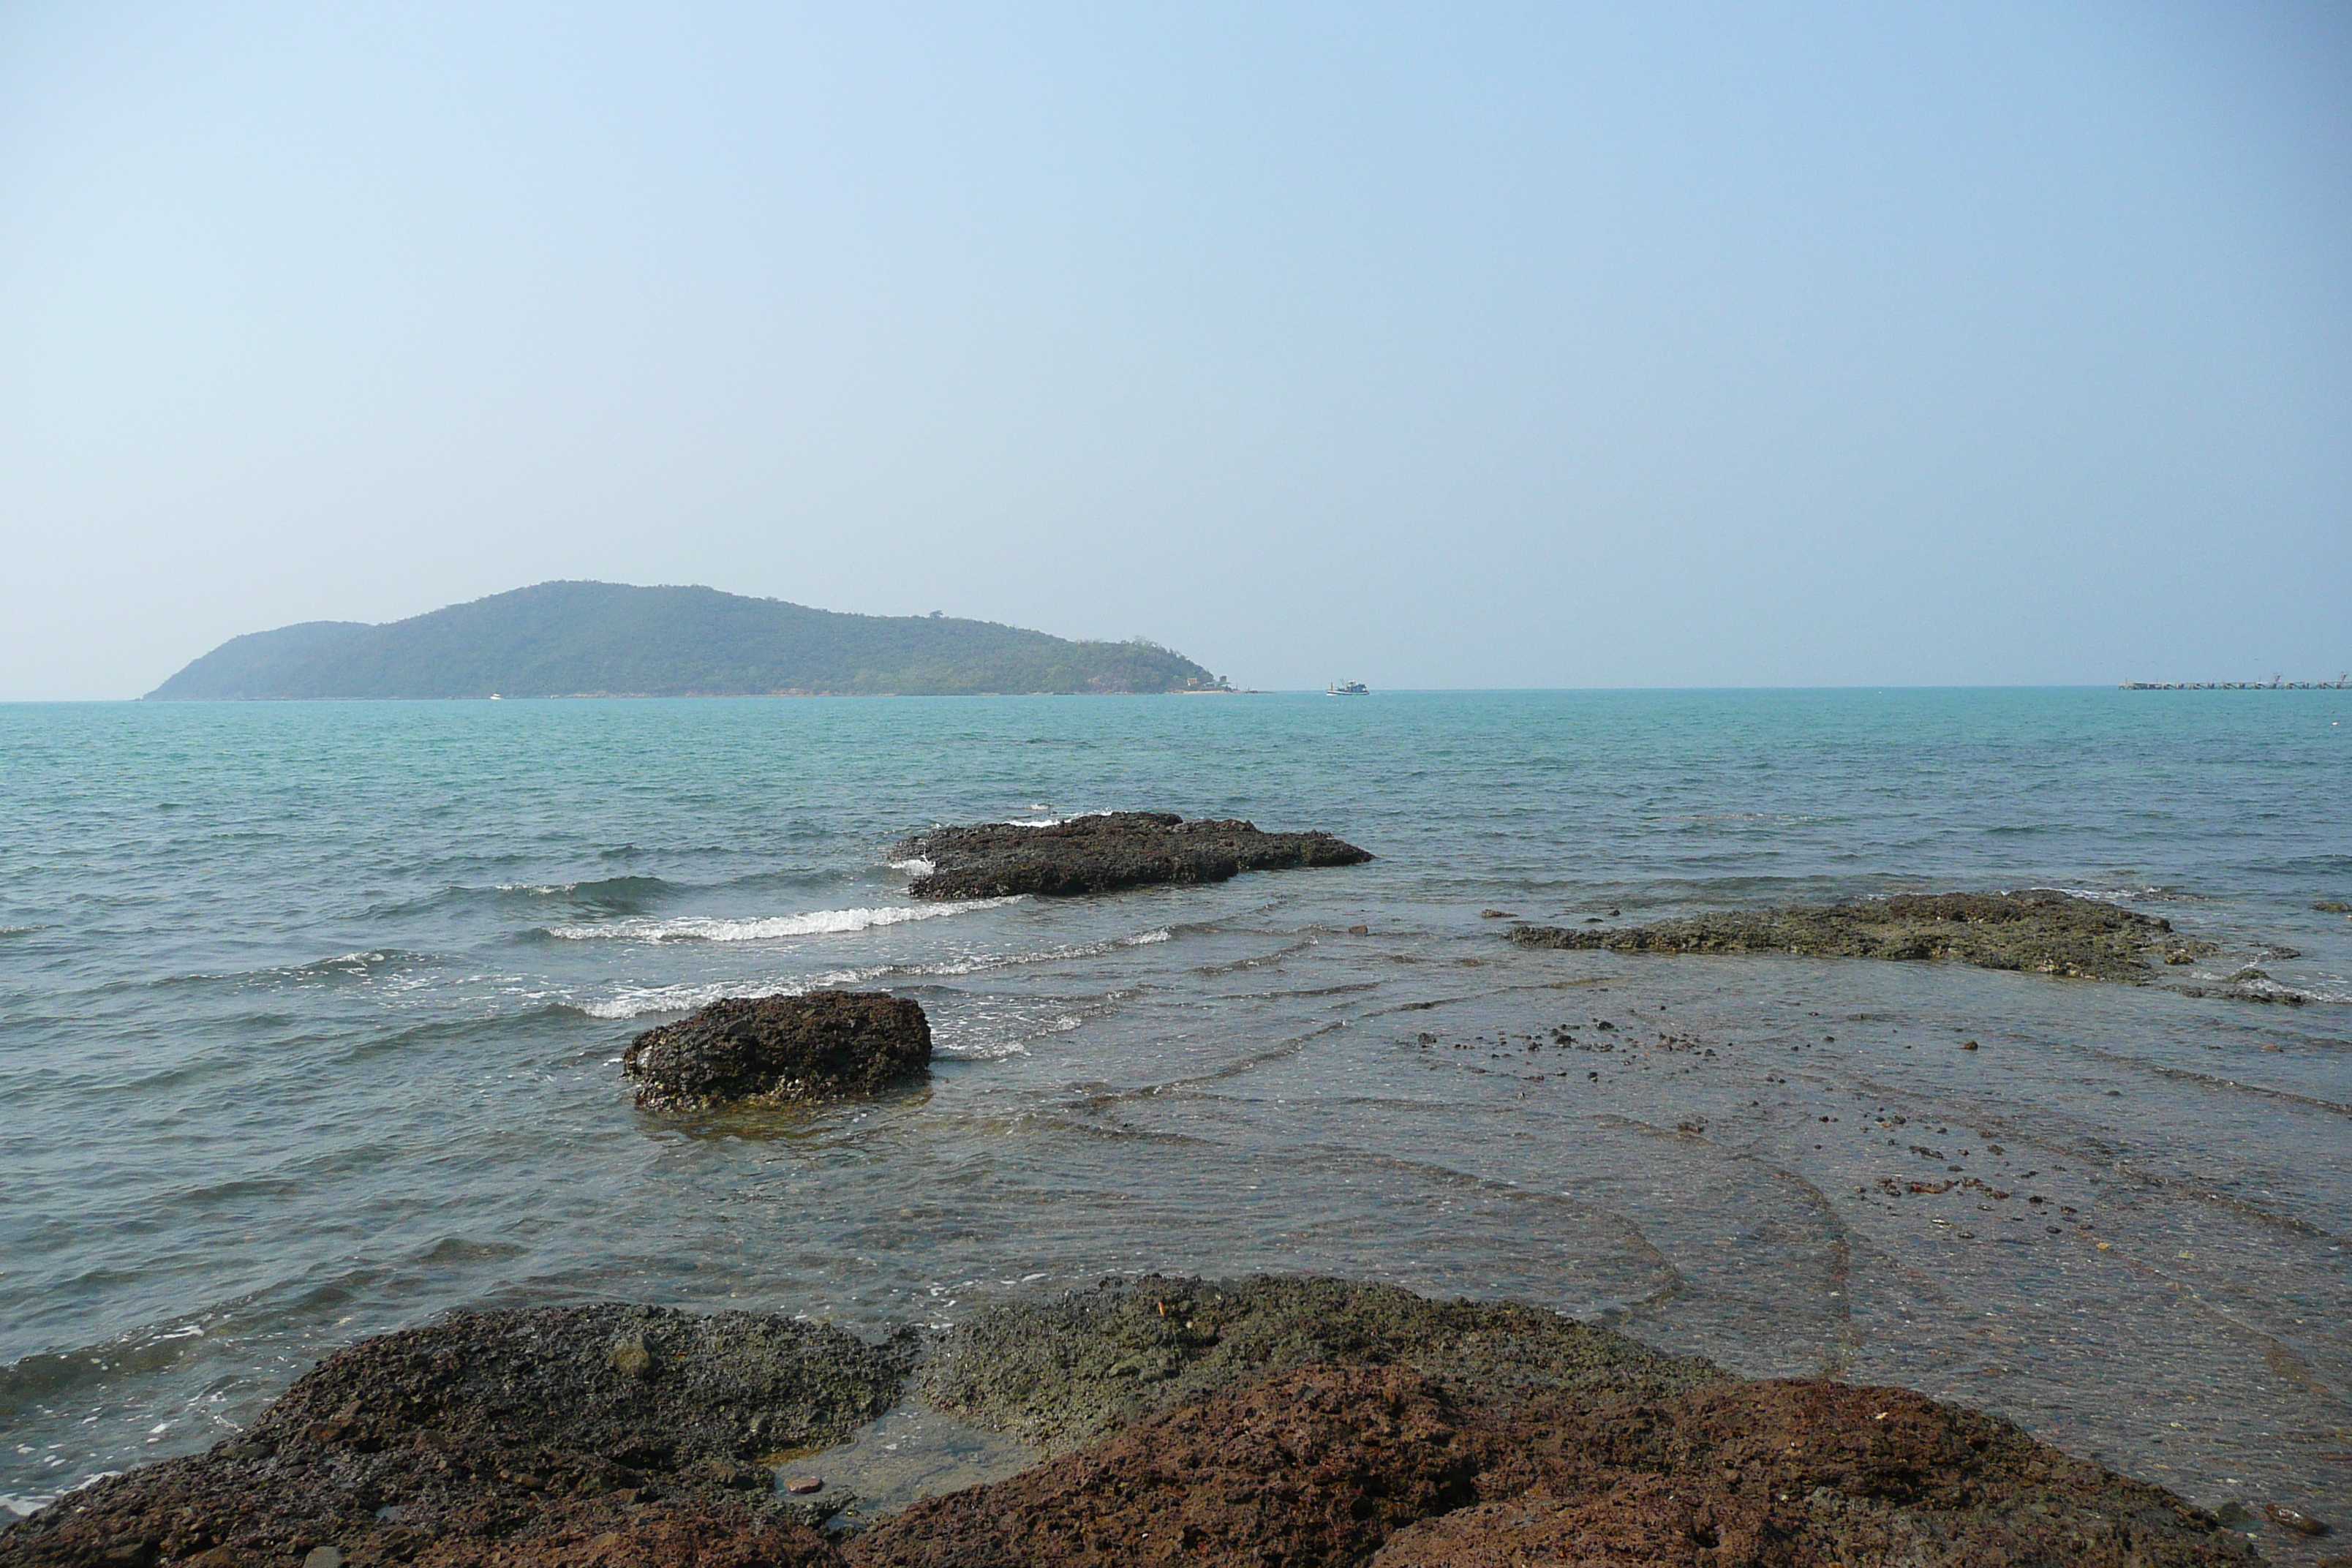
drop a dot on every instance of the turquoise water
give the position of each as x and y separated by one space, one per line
312 1016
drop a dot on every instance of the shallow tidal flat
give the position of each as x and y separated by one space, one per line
315 1023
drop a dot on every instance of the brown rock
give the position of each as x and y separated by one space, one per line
1330 1464
2039 930
1103 853
1315 1466
827 1045
503 1435
2287 1518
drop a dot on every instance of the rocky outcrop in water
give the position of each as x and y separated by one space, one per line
1307 1422
1103 853
826 1044
2040 931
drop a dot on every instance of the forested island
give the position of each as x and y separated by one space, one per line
610 639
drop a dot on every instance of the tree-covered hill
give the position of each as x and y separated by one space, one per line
580 639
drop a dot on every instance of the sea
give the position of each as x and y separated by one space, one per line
311 1017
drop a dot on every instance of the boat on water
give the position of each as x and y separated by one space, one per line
1347 689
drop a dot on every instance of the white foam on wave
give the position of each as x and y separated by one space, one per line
817 922
636 1001
1051 821
918 867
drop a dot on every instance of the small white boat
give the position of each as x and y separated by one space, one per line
1347 689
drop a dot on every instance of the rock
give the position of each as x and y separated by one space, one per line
1063 1373
2333 907
1333 1463
1318 1465
1496 915
2040 931
2290 1519
1797 1472
1103 853
802 1486
1359 931
1308 1422
827 1045
507 1432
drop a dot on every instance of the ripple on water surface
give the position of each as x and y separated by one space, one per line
337 1053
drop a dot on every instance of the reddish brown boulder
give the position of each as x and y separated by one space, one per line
827 1045
1328 1465
1315 1466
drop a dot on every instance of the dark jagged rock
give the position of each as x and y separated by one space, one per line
1103 853
2039 930
826 1044
585 1434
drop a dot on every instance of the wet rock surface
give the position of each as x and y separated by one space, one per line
1270 1420
1104 854
586 1434
2039 930
826 1044
1060 1374
1317 1465
1805 1473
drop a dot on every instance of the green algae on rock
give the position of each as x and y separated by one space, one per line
2039 930
1060 1374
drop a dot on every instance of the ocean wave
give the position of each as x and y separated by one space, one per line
2136 895
599 890
918 867
637 1001
771 928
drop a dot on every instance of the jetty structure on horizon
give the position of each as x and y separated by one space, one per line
2274 683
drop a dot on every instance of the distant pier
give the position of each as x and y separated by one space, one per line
2273 684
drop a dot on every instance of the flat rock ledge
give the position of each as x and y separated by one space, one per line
1103 853
2040 931
826 1044
1306 1422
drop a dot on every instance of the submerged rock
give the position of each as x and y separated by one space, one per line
2040 929
826 1044
586 1434
1103 853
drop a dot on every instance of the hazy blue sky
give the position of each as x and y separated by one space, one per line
1643 345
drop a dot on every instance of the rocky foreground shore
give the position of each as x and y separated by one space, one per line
2040 931
1103 853
1272 1420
